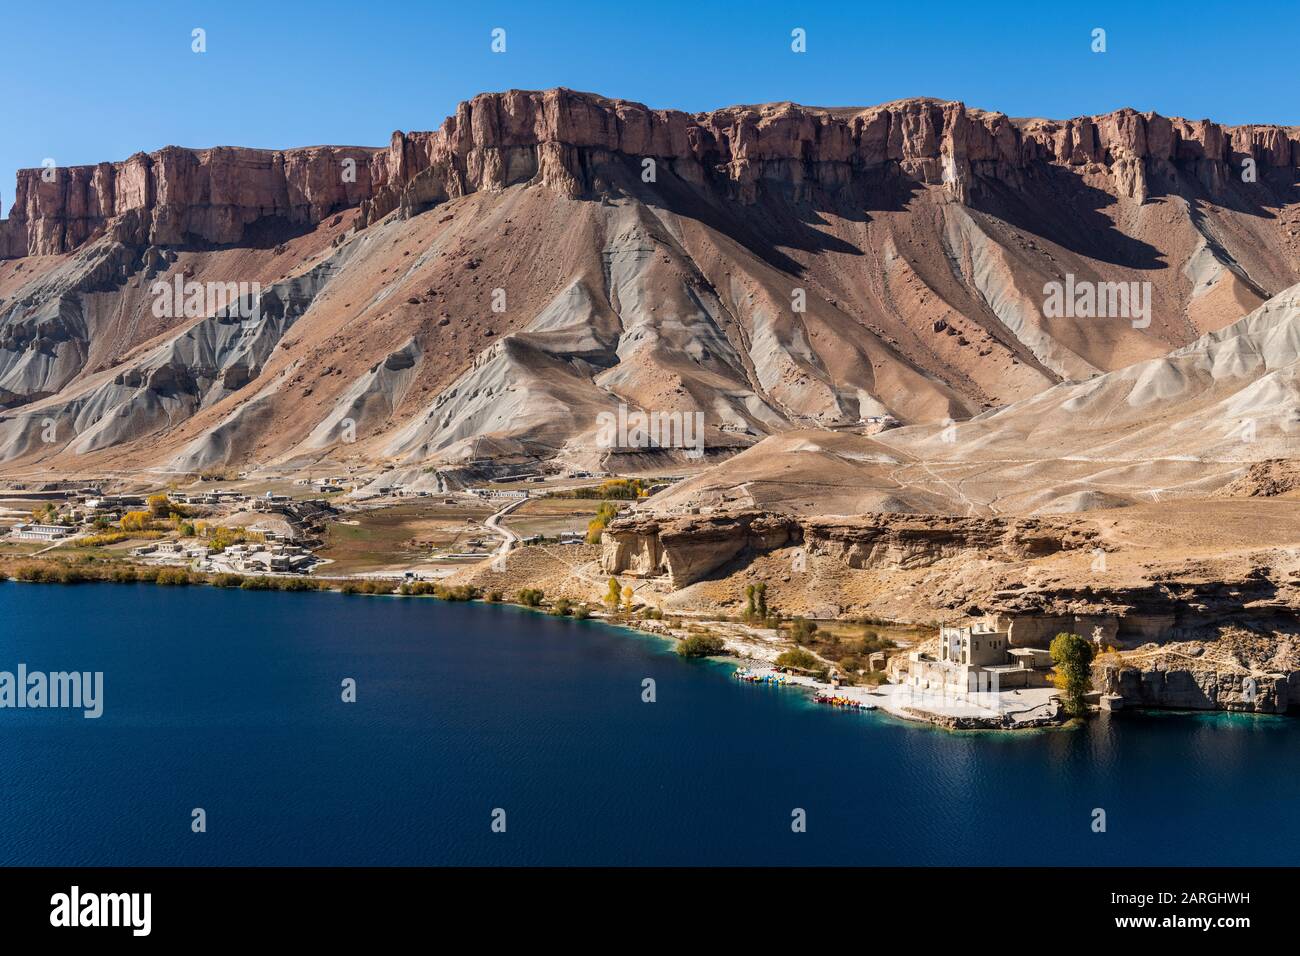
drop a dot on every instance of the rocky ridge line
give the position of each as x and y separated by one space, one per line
175 195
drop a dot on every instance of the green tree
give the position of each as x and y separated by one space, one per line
750 608
1072 655
701 645
802 630
798 657
613 593
531 597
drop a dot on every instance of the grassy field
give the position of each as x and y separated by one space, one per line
119 549
403 535
17 548
550 516
851 644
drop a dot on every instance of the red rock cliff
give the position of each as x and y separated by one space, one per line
557 137
177 195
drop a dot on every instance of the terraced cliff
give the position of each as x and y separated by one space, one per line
544 258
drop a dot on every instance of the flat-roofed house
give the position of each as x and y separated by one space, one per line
39 532
972 657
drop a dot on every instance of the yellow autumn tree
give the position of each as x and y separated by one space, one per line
135 521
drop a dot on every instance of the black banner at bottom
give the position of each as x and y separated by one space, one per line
336 905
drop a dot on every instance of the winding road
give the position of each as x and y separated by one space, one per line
509 538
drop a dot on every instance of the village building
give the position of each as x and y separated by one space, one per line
498 493
974 658
39 532
115 502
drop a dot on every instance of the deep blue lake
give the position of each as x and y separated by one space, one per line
231 701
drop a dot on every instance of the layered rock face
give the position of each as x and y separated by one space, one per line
688 549
1203 688
557 136
1179 603
176 196
784 270
497 139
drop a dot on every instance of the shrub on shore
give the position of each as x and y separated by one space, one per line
87 568
369 586
802 630
457 592
798 657
701 645
297 584
444 592
531 597
50 573
264 582
29 572
172 576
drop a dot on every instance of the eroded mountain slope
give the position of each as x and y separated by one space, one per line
477 296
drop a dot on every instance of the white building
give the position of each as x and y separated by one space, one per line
972 657
39 532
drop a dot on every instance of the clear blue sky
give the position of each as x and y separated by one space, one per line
92 80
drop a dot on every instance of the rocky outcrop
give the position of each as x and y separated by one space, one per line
1190 687
559 137
1264 479
174 196
688 549
1187 603
562 139
1051 716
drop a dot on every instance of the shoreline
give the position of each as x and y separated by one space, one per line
1039 709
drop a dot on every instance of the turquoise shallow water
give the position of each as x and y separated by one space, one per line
230 701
